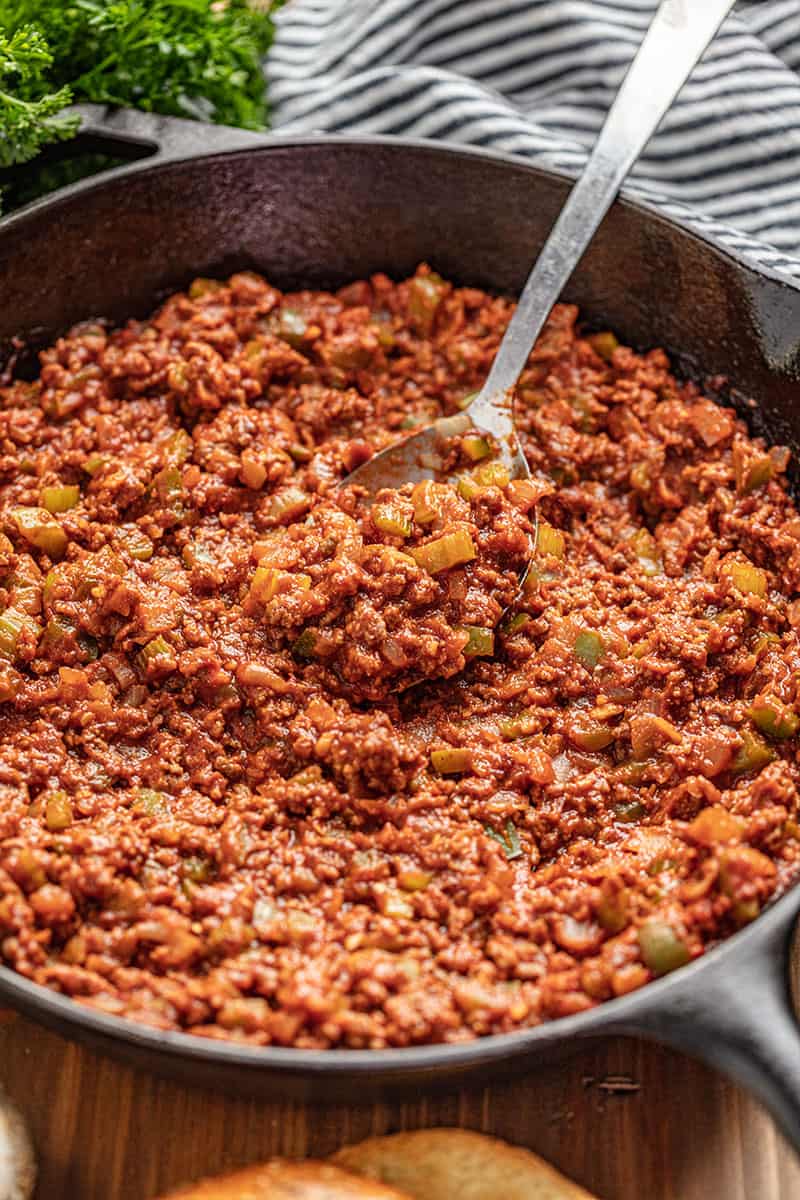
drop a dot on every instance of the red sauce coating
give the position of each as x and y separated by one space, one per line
204 826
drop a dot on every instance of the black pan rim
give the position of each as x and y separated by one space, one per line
620 1015
270 143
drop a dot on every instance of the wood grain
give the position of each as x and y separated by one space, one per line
680 1132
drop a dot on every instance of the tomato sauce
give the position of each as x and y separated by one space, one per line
228 806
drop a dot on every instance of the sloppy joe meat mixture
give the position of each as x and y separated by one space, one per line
229 806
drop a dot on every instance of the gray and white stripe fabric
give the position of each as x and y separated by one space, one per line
536 77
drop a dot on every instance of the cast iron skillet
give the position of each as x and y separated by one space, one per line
323 211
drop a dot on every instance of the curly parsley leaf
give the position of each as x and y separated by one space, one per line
509 842
188 58
29 110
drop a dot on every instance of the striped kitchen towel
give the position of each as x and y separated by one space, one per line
536 77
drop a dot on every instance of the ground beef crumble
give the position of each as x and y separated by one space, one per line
223 809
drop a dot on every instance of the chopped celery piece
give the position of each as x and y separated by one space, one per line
137 543
773 717
12 624
613 909
51 581
449 550
588 734
201 287
476 447
292 326
60 499
640 477
468 487
300 453
157 654
747 578
57 811
389 518
177 448
288 504
604 344
56 629
522 725
168 483
268 582
745 911
95 463
646 550
24 594
384 334
451 761
516 623
493 474
151 802
753 754
757 474
480 641
631 810
662 948
195 555
196 869
549 540
428 498
348 353
763 641
39 529
589 648
535 576
750 472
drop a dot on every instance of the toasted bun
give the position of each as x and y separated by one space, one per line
440 1164
17 1163
279 1180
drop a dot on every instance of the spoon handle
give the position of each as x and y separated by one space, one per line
678 35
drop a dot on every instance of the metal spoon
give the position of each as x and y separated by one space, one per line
678 35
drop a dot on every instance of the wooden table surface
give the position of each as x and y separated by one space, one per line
676 1132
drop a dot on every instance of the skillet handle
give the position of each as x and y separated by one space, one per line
164 137
741 1020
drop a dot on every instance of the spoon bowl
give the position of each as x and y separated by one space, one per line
422 455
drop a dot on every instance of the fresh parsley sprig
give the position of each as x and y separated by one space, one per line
190 58
29 110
